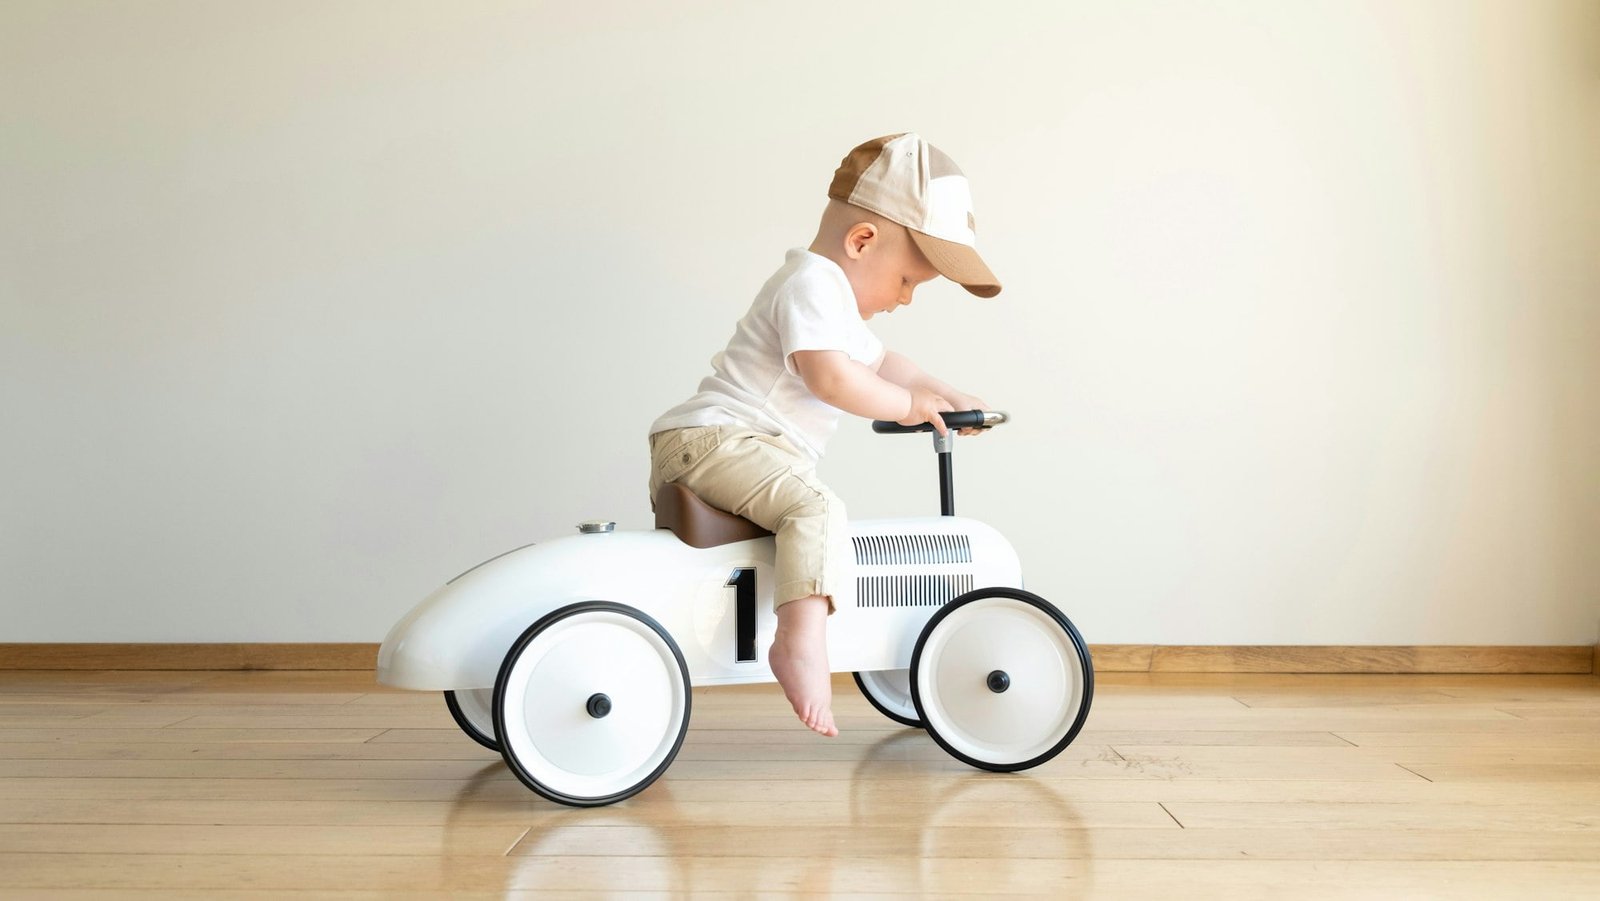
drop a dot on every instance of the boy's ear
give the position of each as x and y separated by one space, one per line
859 238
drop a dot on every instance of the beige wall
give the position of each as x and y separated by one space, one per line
308 306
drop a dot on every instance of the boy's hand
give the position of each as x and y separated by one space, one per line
926 407
966 402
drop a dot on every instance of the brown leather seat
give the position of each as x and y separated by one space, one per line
697 523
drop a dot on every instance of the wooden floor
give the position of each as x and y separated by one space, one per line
224 784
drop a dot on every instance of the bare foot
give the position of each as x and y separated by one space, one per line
799 658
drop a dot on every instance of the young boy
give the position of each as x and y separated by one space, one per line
899 214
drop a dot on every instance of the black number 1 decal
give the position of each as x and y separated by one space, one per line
743 581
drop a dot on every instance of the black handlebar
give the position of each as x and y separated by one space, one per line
965 419
944 444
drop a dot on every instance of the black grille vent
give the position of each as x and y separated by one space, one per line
913 550
910 591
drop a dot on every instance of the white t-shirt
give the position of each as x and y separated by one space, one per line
807 304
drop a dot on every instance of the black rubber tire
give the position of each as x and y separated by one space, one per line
499 702
902 720
1078 645
488 741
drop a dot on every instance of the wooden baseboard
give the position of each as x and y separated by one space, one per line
1578 659
360 656
1112 658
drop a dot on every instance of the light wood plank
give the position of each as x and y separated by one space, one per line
469 840
1385 818
493 783
789 737
1510 773
1520 739
1437 755
1374 659
512 810
389 876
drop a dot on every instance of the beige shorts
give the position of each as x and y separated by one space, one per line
770 482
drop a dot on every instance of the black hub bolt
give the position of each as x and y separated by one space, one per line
599 705
999 681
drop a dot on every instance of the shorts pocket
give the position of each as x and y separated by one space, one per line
680 450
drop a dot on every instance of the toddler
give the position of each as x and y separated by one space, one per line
899 214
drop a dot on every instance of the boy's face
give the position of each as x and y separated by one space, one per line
886 275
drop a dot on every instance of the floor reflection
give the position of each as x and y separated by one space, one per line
899 819
951 824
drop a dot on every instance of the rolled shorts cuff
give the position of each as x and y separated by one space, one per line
800 588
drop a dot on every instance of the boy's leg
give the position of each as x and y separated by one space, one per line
799 652
799 658
766 481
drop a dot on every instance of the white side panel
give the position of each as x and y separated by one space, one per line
458 636
866 637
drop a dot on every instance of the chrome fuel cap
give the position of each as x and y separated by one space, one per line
590 526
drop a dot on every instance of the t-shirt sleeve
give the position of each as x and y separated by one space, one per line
812 319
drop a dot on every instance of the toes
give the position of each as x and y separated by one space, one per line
819 720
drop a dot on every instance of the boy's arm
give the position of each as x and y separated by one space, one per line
854 388
900 370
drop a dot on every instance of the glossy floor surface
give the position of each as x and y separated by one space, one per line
324 784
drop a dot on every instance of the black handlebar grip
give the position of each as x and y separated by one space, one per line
965 419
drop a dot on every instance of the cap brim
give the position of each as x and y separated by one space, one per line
958 263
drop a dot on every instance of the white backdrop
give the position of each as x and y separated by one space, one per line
309 306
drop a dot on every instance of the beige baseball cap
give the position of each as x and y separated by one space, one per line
907 180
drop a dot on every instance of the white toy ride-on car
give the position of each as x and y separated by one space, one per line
574 658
